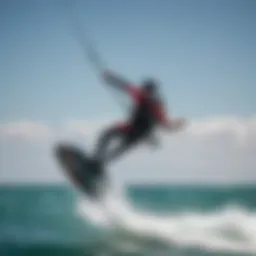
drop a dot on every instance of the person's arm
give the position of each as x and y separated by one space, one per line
177 124
120 83
166 122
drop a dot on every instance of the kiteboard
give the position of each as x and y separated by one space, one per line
84 173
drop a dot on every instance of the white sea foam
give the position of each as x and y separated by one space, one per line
230 229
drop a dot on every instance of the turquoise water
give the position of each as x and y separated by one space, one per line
148 220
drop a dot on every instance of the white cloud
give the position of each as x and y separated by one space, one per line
222 149
24 130
240 129
83 127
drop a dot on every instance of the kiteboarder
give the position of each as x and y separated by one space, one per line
148 113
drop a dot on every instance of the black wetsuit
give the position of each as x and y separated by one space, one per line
147 113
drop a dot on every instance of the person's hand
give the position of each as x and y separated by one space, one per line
153 142
178 124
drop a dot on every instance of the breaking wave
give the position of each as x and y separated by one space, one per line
228 229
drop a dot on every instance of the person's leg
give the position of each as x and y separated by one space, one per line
116 132
130 139
118 151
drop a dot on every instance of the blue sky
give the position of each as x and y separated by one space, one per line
202 51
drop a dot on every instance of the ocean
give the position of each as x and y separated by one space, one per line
143 220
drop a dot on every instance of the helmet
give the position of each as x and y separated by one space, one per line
150 86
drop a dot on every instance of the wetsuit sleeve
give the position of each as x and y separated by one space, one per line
122 84
174 124
161 116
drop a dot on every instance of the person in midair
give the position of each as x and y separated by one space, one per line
147 114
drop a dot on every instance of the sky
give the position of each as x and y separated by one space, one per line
203 52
